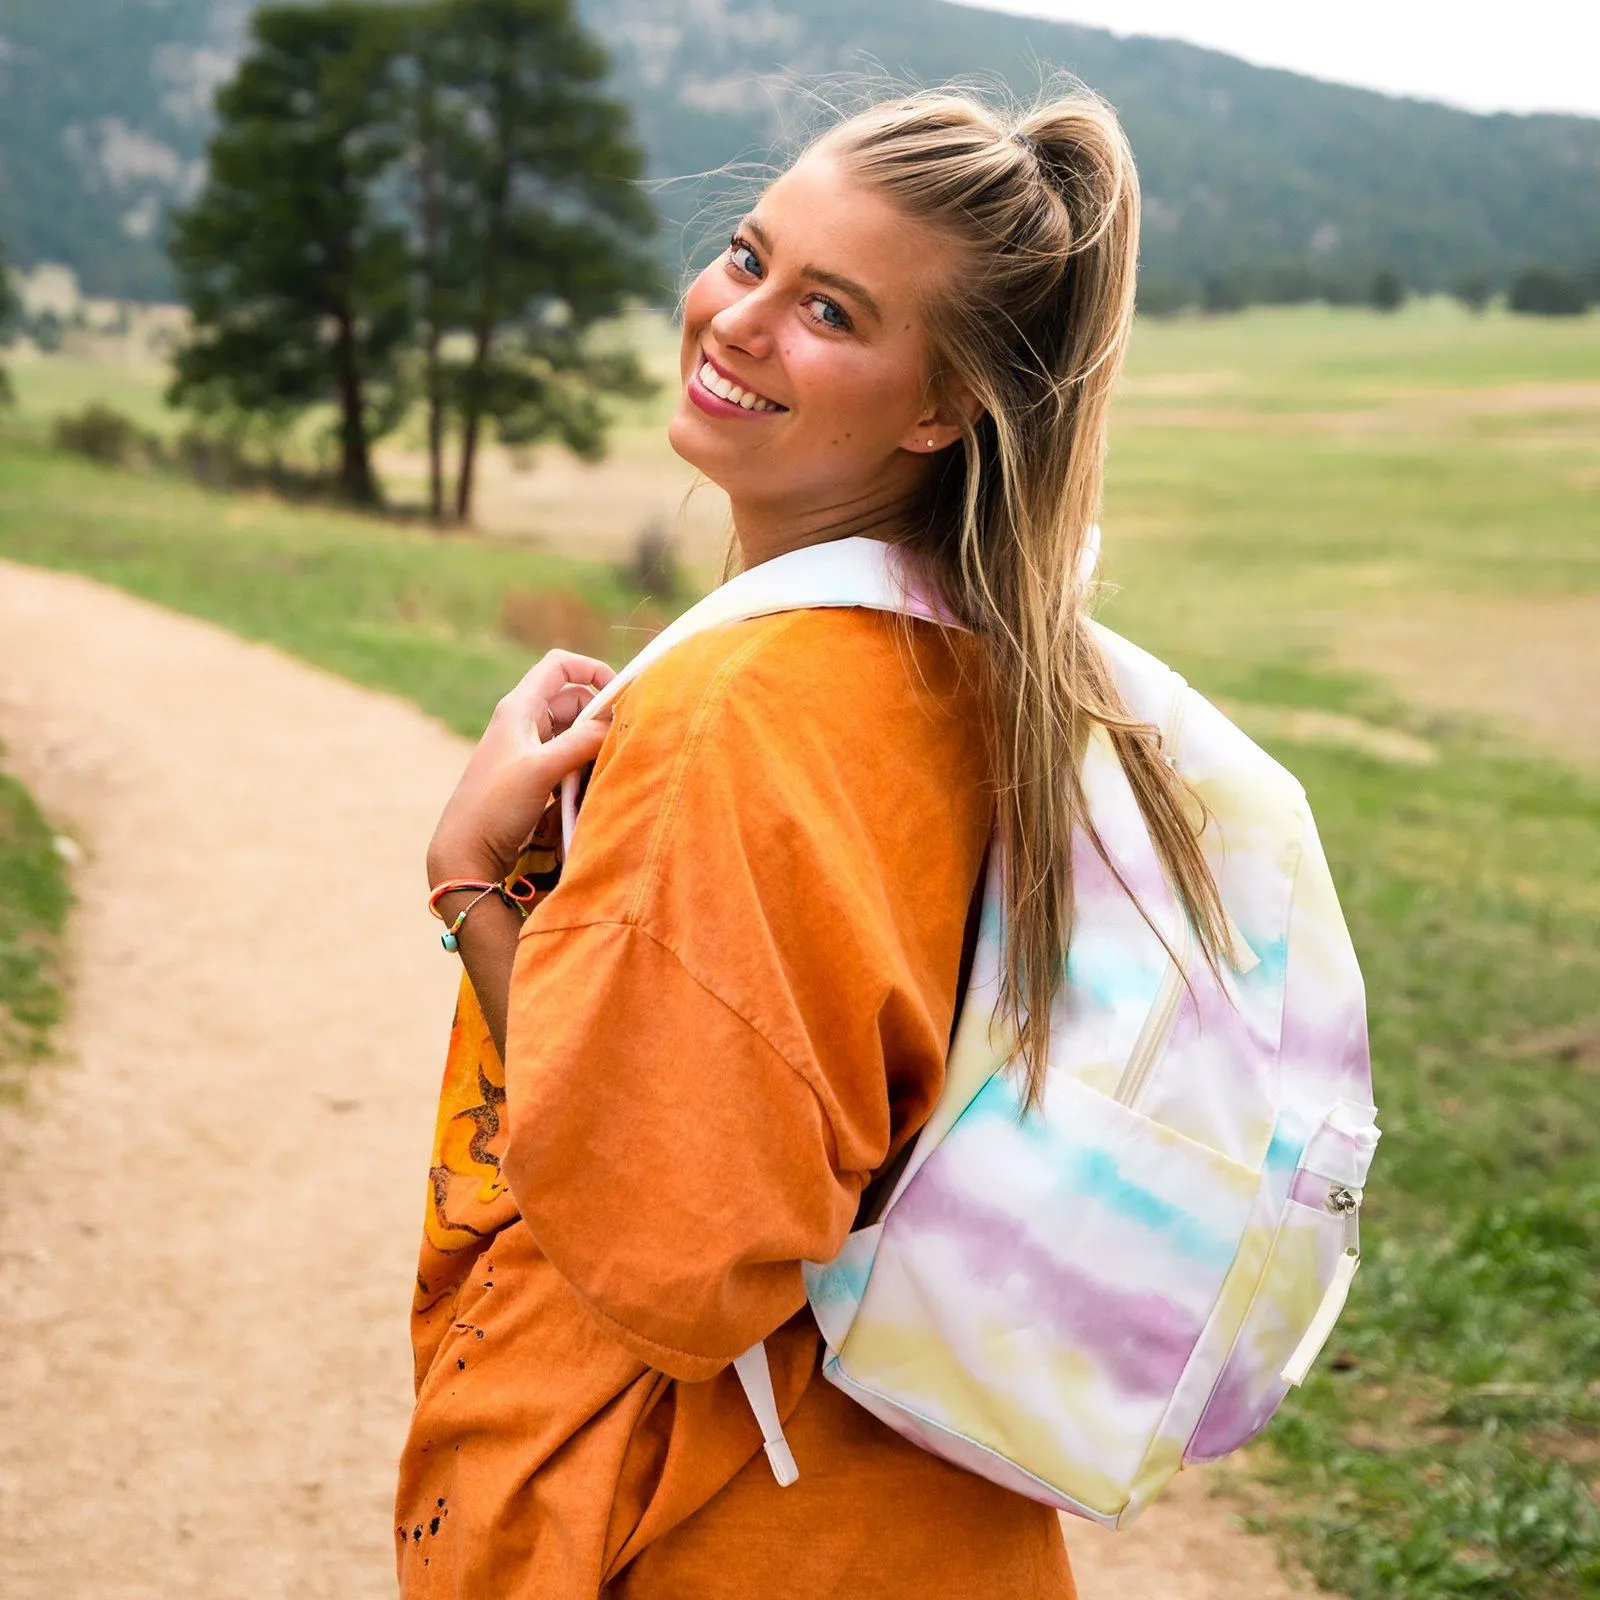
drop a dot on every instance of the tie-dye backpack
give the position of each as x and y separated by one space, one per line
1077 1301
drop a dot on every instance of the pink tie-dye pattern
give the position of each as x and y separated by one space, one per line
1141 1341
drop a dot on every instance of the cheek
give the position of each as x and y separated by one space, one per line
707 295
871 393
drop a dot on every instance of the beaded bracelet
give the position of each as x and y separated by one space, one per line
517 892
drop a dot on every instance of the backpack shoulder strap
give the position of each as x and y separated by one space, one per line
842 572
857 571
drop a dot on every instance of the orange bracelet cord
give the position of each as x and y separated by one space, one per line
515 890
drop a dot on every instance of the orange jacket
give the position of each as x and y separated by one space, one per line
730 1013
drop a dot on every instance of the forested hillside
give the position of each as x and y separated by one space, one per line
1258 176
104 110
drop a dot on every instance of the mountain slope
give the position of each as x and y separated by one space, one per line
105 106
104 111
1243 168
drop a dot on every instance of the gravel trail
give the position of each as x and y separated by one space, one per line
209 1211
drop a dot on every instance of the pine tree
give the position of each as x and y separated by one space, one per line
1387 291
295 276
10 318
528 227
1545 291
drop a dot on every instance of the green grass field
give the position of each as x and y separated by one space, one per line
34 900
1282 482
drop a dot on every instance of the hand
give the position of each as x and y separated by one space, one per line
529 746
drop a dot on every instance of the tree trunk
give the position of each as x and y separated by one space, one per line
355 457
434 378
498 190
428 176
435 432
472 419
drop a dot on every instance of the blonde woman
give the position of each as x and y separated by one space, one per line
731 1014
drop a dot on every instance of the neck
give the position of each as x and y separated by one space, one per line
765 530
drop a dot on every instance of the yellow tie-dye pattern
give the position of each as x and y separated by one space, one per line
897 1359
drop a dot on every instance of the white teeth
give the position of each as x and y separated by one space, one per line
718 385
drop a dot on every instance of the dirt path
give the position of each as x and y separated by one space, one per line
207 1222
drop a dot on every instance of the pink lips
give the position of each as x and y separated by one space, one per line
713 404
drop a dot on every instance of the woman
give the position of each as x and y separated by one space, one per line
732 1013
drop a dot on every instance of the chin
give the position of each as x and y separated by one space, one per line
681 433
696 440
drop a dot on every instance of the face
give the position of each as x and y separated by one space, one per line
813 314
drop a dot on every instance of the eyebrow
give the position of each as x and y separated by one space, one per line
834 280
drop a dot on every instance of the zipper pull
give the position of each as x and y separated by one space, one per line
1346 1203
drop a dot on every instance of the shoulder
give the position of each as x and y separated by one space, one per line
820 669
780 742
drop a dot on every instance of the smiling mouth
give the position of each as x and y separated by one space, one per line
724 388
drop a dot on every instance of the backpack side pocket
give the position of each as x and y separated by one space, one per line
1314 1253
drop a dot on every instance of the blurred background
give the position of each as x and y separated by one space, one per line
349 330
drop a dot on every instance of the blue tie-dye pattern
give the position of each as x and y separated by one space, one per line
839 1280
1096 1174
1112 978
1093 1172
1284 1151
1274 959
997 1099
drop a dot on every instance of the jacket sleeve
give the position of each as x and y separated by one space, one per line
711 1017
670 1163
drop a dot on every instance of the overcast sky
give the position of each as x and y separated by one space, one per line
1464 52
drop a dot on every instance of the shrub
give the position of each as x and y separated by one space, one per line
1166 297
215 459
1223 294
1548 292
653 567
1474 291
1387 291
106 435
1345 290
219 456
1290 283
44 329
550 619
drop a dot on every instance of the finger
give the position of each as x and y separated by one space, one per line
559 674
558 668
555 671
565 706
570 749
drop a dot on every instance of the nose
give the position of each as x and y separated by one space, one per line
746 324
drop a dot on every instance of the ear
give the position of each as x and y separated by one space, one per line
949 411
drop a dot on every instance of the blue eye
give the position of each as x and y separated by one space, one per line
743 257
839 318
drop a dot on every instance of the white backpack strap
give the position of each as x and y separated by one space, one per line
857 571
841 572
756 1377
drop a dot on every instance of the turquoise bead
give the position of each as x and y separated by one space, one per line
449 941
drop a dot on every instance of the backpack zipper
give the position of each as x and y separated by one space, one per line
1174 723
1152 1038
1342 1202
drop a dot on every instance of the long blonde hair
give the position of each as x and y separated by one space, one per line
1043 213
